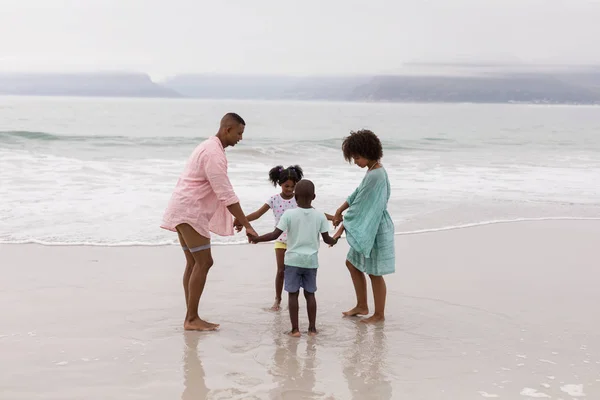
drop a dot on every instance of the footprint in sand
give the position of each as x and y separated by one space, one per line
488 395
573 390
529 392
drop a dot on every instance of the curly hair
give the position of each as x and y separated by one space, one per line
280 175
363 143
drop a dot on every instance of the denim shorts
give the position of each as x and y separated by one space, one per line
296 278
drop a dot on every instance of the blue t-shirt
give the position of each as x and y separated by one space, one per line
303 226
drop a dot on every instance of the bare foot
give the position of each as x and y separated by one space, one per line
373 319
312 332
276 306
294 333
356 311
211 324
199 325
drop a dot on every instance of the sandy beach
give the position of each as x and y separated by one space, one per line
504 311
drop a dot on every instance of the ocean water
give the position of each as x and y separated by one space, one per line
101 171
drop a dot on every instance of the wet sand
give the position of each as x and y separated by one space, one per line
505 311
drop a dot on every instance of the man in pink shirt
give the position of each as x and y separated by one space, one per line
204 201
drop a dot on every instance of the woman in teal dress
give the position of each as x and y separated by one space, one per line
368 225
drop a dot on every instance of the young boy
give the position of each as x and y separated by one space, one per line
303 226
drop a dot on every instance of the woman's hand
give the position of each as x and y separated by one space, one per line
337 218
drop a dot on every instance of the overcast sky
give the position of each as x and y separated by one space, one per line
164 37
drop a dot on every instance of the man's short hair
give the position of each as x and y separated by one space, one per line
234 117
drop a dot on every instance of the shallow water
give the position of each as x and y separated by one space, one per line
100 171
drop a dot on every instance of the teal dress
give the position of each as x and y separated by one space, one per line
369 227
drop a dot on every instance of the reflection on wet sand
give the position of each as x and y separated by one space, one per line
293 372
365 363
193 372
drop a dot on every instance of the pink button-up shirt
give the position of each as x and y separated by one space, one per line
203 193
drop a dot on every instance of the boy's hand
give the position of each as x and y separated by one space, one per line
336 237
253 239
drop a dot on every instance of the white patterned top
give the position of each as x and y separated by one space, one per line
279 205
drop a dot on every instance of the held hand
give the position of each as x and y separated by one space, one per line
237 225
337 219
251 233
336 241
337 235
252 239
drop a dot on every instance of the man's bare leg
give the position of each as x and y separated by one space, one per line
197 279
196 286
189 266
360 288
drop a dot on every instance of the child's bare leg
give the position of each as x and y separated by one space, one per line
293 307
360 287
311 305
280 257
197 279
379 294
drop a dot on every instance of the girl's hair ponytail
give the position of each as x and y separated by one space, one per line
278 175
297 170
275 173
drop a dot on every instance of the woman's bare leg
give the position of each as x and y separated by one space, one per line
379 295
360 287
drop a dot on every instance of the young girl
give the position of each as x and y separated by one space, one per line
368 225
286 178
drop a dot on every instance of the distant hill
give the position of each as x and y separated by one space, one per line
475 84
88 84
339 88
229 86
551 88
416 83
265 87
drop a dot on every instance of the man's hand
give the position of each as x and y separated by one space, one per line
251 233
237 225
